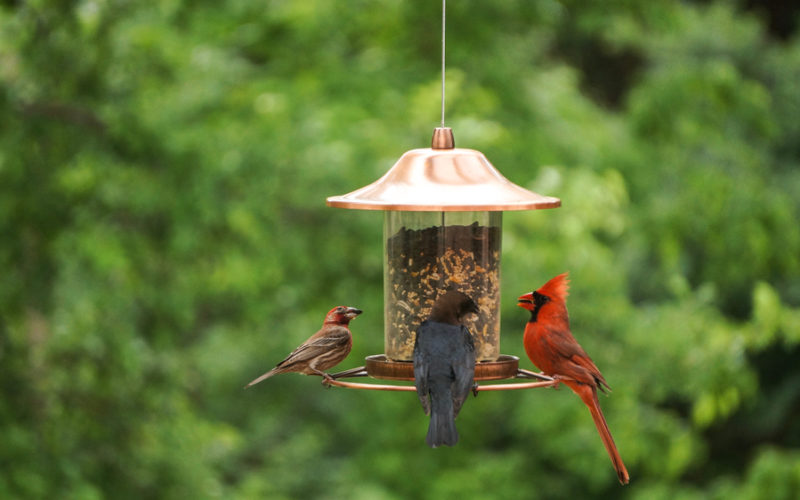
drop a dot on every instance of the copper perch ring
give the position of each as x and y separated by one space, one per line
398 371
410 388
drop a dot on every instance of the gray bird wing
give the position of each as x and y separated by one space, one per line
464 371
421 368
316 346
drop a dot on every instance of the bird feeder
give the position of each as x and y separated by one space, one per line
442 230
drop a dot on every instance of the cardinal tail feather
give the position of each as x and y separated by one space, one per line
589 396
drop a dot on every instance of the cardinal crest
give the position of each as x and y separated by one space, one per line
556 288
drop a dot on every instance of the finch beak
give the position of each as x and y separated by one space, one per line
352 312
525 299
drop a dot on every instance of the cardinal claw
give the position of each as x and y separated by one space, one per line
327 380
556 381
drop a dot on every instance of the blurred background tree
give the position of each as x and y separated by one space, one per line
164 239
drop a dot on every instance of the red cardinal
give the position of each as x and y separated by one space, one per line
551 346
323 350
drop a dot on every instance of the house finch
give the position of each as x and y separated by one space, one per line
551 346
444 365
323 350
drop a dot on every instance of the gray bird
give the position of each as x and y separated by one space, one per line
444 365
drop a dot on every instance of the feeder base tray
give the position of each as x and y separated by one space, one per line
379 366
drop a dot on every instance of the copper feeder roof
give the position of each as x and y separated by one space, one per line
443 178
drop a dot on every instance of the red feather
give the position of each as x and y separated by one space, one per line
556 288
551 347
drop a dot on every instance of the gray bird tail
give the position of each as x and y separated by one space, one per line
442 428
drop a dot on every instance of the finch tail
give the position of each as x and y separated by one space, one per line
589 396
442 428
267 375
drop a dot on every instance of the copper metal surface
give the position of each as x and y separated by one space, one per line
443 180
378 366
544 381
443 138
411 388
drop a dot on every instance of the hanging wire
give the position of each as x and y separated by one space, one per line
443 23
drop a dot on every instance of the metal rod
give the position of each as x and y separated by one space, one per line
522 373
443 24
352 372
374 387
410 388
509 387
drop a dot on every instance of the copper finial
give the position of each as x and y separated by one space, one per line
443 138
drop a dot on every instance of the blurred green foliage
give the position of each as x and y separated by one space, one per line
164 239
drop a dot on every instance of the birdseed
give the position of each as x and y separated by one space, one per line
422 264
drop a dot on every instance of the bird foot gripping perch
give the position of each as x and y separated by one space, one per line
328 379
557 379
